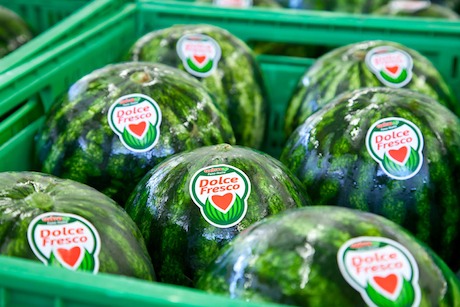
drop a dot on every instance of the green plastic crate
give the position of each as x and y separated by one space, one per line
24 283
51 21
29 89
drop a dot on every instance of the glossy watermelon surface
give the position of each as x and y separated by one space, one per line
393 152
194 203
329 256
117 122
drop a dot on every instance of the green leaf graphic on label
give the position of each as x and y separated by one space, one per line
406 296
203 69
86 264
399 170
218 217
139 143
402 76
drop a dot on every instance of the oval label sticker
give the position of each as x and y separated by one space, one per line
383 271
136 119
233 3
396 144
392 66
65 240
221 193
199 53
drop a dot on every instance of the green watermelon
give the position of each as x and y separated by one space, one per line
67 224
117 122
344 6
365 64
14 31
452 4
223 63
393 152
191 205
421 9
325 256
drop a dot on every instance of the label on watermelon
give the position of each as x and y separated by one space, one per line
408 6
396 144
233 3
383 271
199 53
65 240
136 119
221 193
392 66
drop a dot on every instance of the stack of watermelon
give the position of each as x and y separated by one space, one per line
172 134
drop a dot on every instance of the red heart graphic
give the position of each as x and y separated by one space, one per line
399 154
392 69
70 256
138 129
222 201
387 283
199 58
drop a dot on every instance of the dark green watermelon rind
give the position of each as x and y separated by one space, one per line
90 152
21 199
14 31
432 11
352 6
329 156
345 69
236 83
181 242
279 262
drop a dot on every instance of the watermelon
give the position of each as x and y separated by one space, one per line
392 152
365 64
325 256
191 205
223 63
66 224
117 122
452 4
349 6
14 31
422 9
